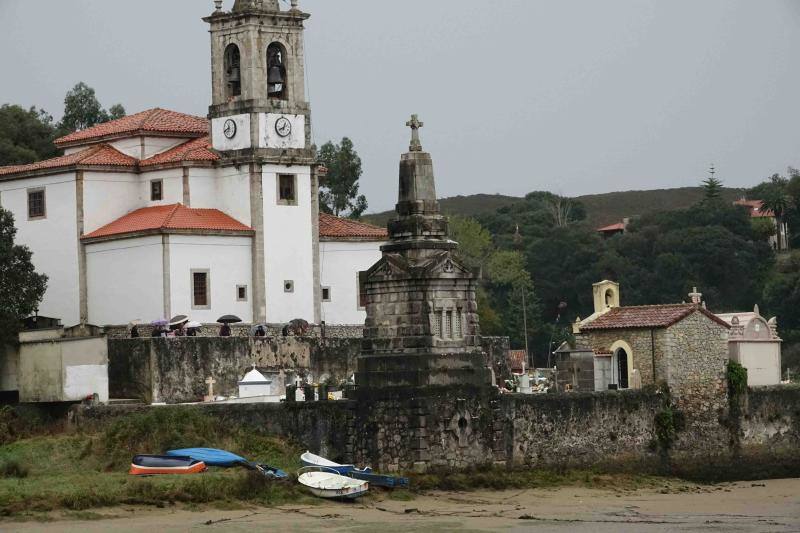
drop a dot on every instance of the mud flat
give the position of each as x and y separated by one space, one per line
771 505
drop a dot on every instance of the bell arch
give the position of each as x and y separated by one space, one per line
233 71
277 79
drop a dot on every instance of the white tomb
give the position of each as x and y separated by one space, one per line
254 384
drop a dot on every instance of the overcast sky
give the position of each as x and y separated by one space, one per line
572 96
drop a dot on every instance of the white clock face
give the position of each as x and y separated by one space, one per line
283 127
229 129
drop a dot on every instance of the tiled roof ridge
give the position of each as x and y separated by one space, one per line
145 121
117 158
168 218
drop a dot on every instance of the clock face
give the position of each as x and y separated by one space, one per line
283 127
229 129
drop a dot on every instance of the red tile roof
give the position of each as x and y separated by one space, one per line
194 150
756 208
169 217
153 121
647 316
619 226
333 227
103 154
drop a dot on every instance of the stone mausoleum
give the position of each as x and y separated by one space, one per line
422 322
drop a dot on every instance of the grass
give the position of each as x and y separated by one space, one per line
77 472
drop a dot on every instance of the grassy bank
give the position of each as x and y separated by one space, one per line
82 471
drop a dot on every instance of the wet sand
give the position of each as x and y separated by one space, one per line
772 505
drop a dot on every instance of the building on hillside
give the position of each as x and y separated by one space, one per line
683 345
755 208
162 213
754 343
614 229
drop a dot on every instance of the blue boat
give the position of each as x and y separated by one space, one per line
379 480
226 459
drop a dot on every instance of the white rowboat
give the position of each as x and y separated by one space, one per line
331 485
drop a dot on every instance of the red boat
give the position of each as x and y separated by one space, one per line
148 465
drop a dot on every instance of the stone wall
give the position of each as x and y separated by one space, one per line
454 428
646 346
173 370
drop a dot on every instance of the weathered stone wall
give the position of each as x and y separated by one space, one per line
646 345
337 331
173 370
460 428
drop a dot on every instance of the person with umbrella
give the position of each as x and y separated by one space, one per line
159 329
177 325
226 320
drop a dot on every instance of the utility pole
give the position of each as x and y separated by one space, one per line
518 246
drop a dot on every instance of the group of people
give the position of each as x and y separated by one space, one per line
180 330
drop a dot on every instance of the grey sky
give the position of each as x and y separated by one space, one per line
573 96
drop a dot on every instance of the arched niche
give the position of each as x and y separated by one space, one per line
277 78
233 71
623 363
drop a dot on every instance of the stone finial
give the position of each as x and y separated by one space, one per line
294 4
695 296
755 310
415 125
218 5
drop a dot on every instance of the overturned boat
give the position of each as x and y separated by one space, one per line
226 459
148 465
330 484
310 459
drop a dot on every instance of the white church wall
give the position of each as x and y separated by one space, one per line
233 191
107 196
229 264
340 262
288 252
172 187
156 145
124 280
762 359
52 239
131 146
240 139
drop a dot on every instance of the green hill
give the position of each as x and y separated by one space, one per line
601 209
476 204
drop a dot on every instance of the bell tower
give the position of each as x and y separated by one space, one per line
258 103
261 127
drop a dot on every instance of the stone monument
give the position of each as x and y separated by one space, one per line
422 323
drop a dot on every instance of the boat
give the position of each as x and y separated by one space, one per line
379 480
330 484
310 459
226 459
147 465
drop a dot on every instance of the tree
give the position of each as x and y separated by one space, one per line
776 199
26 136
82 110
338 193
21 288
712 190
474 243
116 111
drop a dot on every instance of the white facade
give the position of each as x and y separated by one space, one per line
52 238
340 262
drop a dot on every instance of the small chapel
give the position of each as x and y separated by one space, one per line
162 213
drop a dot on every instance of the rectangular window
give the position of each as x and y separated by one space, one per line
200 289
287 189
437 324
241 293
361 296
448 324
457 333
156 190
326 294
36 204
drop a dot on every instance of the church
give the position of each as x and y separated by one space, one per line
161 213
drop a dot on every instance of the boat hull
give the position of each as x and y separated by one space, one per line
149 465
333 486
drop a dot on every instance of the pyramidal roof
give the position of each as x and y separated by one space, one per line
254 376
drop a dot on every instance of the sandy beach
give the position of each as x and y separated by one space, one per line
771 505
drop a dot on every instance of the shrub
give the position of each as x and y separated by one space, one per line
13 468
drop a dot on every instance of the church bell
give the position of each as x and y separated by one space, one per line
275 79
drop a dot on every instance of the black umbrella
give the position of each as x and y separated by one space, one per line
229 319
178 319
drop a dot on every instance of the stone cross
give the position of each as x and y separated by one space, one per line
415 125
210 382
695 296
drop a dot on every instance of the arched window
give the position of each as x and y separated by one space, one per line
276 71
609 298
622 369
233 72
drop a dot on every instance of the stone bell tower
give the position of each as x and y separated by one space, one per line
261 127
258 89
422 322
